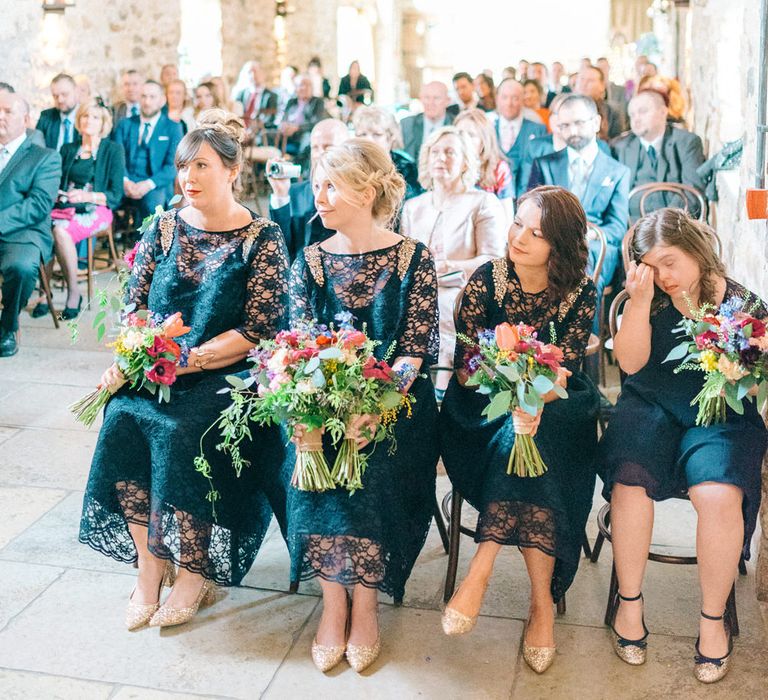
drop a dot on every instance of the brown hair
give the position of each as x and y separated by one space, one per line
673 227
564 225
222 131
490 154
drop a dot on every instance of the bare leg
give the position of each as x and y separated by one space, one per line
194 540
631 530
333 623
719 539
67 255
469 597
541 617
365 625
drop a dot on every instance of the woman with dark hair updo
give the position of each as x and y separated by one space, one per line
674 264
367 541
541 283
226 271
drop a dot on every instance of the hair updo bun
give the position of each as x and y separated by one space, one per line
222 131
358 165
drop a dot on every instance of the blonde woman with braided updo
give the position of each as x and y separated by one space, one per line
367 541
226 271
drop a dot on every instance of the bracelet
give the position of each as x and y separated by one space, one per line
202 358
407 373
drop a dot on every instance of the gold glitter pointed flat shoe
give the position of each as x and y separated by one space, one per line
167 617
631 651
326 658
539 659
708 669
361 657
138 614
456 623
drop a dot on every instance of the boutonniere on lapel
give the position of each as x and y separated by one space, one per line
608 182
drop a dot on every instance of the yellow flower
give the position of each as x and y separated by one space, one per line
708 361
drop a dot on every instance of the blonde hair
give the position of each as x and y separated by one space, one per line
490 154
356 166
104 113
372 117
469 157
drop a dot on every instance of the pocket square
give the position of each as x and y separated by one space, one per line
608 182
162 138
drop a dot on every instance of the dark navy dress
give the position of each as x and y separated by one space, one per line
547 512
374 536
142 470
656 402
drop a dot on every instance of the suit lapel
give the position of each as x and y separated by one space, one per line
15 160
633 154
133 138
666 156
596 178
559 168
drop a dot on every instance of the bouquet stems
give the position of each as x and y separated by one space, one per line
349 466
711 402
311 471
87 408
525 458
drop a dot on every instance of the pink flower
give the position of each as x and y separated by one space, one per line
377 370
130 257
159 346
355 338
707 341
162 372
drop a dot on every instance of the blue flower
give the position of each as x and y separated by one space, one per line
486 337
731 307
345 319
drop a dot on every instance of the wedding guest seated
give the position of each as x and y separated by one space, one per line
417 128
258 102
83 90
674 266
222 92
673 94
654 151
356 85
540 283
168 73
381 127
494 174
465 93
321 86
129 105
29 179
590 81
149 141
205 98
462 226
615 95
179 110
292 205
513 130
533 98
556 87
486 92
33 134
92 177
600 182
58 122
540 74
302 112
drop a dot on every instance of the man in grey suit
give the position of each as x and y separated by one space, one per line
654 151
416 129
29 181
32 134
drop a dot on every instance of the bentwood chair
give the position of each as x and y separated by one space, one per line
667 191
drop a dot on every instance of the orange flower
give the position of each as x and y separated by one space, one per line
507 336
174 326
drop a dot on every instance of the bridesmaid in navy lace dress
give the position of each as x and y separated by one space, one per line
542 284
368 540
719 465
226 271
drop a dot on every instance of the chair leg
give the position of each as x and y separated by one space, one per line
398 601
561 605
89 274
441 525
730 612
585 545
47 291
112 249
293 587
597 547
453 549
613 598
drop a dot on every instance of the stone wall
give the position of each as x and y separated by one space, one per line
311 31
94 37
247 34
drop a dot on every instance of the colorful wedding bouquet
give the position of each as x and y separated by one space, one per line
323 378
146 353
515 369
730 346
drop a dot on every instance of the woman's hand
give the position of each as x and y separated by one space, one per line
362 429
307 440
529 424
562 377
639 283
112 379
76 196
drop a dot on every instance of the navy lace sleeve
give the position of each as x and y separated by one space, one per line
137 291
473 313
421 337
578 326
266 298
298 291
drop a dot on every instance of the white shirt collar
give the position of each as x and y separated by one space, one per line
69 115
587 154
517 122
656 143
14 145
152 121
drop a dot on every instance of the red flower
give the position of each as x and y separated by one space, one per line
130 257
550 356
162 372
707 341
758 326
160 346
377 370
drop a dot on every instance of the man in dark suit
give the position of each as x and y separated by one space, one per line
416 129
130 106
657 152
301 114
259 103
464 87
615 95
292 206
591 82
29 181
600 182
33 134
58 122
541 75
149 141
513 131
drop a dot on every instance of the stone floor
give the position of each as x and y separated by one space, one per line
61 604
